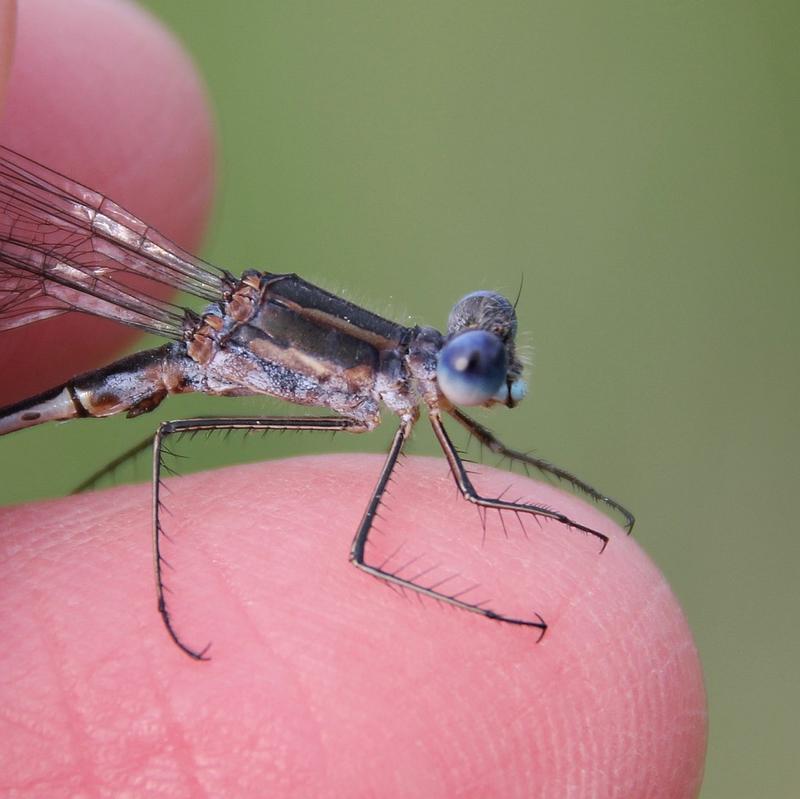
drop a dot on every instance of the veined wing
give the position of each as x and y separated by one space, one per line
65 247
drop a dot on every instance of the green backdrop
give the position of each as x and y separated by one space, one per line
638 164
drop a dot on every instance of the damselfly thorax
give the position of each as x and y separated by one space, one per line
65 248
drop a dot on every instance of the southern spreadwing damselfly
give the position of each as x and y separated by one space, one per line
65 248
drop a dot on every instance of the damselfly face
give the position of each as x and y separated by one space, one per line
478 364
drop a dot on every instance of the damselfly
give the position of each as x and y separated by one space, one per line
65 248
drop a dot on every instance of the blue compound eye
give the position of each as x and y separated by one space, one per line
472 367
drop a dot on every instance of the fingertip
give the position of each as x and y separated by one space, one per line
102 92
611 700
8 12
617 663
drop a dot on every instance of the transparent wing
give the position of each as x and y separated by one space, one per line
64 247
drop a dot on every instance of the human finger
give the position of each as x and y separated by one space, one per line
322 682
102 93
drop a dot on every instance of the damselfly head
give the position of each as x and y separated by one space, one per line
478 363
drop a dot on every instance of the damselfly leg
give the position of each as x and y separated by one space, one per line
469 493
357 551
111 467
329 424
488 439
361 538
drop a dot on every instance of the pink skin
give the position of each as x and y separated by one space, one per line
108 97
322 682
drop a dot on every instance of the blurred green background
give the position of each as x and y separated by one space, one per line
638 164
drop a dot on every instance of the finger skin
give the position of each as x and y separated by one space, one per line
8 13
101 92
322 682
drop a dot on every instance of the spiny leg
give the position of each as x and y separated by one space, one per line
468 490
357 550
112 466
486 438
166 429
